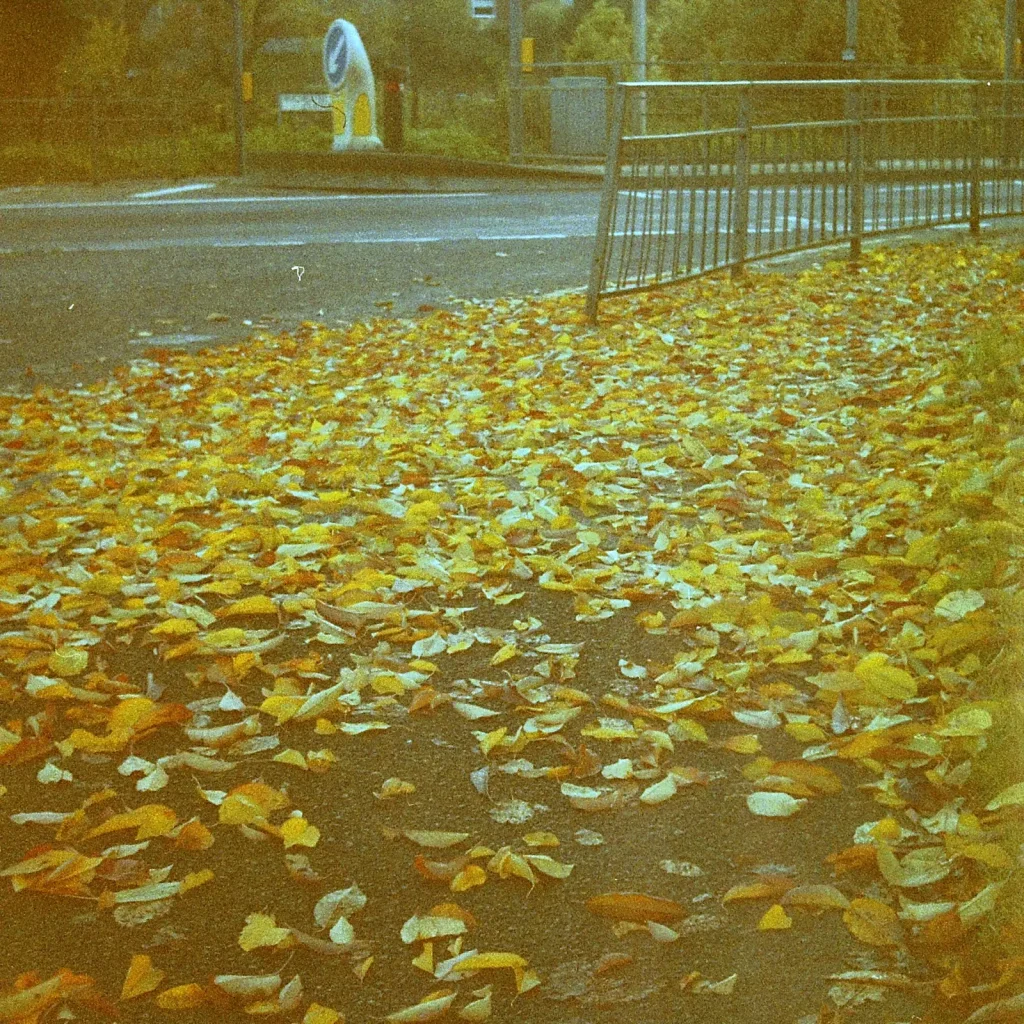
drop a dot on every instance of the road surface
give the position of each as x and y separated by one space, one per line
91 277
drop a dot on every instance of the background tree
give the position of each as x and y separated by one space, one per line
603 34
547 22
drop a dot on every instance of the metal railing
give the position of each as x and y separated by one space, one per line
782 166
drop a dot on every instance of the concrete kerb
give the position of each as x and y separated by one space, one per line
408 172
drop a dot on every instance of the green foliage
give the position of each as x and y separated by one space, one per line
603 34
454 141
100 59
822 32
805 31
548 24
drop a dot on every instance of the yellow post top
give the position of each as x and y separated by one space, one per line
526 53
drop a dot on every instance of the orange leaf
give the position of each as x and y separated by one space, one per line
635 906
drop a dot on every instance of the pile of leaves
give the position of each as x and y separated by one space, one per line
508 661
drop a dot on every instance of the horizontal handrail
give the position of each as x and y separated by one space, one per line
817 83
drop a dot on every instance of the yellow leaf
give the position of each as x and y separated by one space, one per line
68 661
488 741
548 866
505 654
470 876
873 922
487 961
142 977
291 757
181 997
195 878
258 605
261 930
747 743
880 679
816 897
806 732
317 1014
150 820
774 919
175 627
394 787
230 637
540 839
298 832
425 961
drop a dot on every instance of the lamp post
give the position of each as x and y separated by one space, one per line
1010 40
640 60
515 81
236 17
850 53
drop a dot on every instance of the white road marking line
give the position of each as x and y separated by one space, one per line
517 238
169 191
156 340
205 201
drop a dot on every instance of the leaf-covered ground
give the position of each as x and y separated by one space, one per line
498 665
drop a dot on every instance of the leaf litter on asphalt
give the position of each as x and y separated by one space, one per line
296 635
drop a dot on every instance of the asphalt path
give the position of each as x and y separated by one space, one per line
89 278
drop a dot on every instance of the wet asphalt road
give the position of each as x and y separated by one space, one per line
91 277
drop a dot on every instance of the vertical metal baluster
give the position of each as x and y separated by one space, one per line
692 213
787 183
608 214
718 197
739 194
704 213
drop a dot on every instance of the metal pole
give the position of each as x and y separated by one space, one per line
855 181
975 161
741 186
850 53
640 61
239 102
1009 39
515 81
605 217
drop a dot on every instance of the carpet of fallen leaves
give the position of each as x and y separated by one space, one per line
498 665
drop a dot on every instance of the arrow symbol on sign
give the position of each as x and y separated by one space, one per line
335 57
300 271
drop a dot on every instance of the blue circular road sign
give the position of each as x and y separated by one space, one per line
335 54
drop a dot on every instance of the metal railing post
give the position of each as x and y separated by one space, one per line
741 185
605 226
975 160
855 176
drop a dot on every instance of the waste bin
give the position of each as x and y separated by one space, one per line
579 116
392 125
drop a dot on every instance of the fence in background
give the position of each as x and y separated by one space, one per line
784 166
